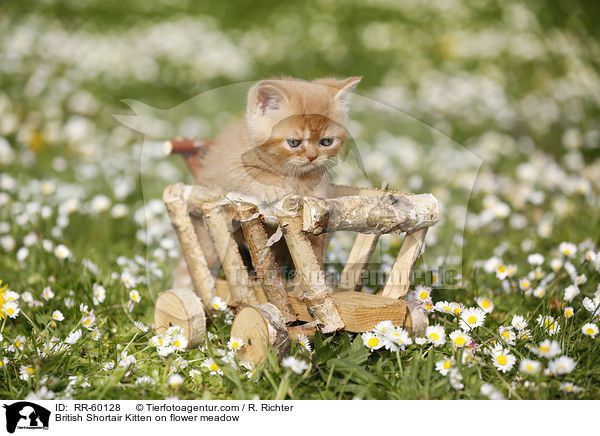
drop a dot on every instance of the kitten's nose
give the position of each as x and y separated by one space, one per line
311 157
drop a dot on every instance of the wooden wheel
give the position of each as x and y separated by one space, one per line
262 328
181 307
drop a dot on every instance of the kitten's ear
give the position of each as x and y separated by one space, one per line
347 86
266 95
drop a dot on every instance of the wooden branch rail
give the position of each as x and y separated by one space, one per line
389 213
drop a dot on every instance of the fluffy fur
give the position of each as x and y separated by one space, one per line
254 160
253 157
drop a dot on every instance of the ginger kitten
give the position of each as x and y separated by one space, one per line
291 131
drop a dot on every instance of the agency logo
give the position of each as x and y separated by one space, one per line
26 415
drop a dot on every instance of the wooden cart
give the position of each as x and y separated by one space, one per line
268 312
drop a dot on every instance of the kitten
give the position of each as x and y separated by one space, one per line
291 131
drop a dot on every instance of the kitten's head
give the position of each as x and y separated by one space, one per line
300 125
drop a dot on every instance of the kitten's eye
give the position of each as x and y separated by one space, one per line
326 142
294 142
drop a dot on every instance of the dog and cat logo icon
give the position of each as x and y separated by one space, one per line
26 415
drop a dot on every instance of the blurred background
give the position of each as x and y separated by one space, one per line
514 85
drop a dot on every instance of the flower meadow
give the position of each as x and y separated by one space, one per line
502 101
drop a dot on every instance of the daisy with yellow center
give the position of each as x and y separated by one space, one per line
436 335
157 341
502 272
567 249
428 306
304 342
19 342
590 329
561 365
524 284
218 304
547 349
486 304
135 296
88 321
507 335
539 292
460 339
372 341
175 381
443 366
236 343
471 318
518 322
26 372
502 359
444 307
11 309
212 366
528 366
422 293
548 324
569 312
383 327
179 341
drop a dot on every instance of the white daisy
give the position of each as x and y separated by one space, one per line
561 365
399 337
556 264
528 366
47 293
179 342
296 365
26 372
304 342
548 324
422 293
99 293
547 348
443 366
502 359
535 259
567 249
372 341
568 312
135 296
73 337
236 343
175 380
444 307
460 339
507 335
62 252
518 322
383 326
590 329
57 315
524 284
11 308
471 318
571 292
88 321
218 304
485 303
436 335
570 388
